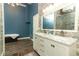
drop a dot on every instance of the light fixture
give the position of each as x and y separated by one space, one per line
17 4
68 9
20 4
13 5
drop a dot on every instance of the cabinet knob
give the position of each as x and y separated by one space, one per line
52 45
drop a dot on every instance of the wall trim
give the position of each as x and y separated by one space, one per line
3 52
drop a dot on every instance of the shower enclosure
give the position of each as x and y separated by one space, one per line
1 30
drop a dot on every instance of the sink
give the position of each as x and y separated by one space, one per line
61 39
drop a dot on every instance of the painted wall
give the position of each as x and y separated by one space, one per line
16 19
19 19
32 9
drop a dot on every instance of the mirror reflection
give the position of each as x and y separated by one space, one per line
48 21
65 18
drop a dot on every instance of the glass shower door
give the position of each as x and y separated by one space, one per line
1 31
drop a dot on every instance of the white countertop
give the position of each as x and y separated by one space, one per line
64 40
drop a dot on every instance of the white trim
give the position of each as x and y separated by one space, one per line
23 38
3 52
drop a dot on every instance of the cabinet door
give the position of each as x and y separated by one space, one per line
56 49
41 46
35 43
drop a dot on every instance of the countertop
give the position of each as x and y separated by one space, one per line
61 39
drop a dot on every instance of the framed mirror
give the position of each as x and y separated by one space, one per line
48 21
61 18
66 19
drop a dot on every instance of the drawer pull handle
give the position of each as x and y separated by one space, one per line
52 45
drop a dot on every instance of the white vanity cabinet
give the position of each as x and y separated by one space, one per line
46 46
57 49
35 44
39 45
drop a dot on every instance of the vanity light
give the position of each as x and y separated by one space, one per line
20 4
17 4
68 9
13 5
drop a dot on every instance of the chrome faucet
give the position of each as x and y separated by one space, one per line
62 33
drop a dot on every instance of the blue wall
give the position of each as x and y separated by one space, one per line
32 9
16 20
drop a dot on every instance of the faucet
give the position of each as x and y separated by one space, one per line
49 32
62 33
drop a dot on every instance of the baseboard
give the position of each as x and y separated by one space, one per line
23 38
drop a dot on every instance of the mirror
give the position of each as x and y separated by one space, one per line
48 21
60 18
65 18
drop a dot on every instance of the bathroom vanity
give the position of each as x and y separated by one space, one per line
50 45
56 18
